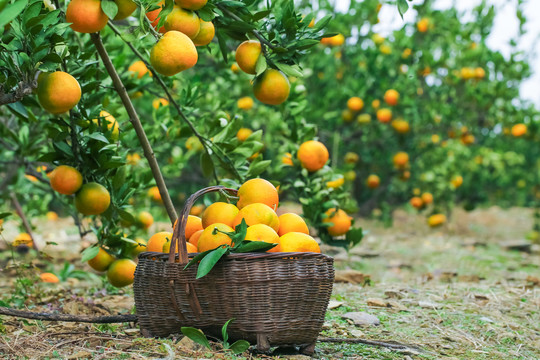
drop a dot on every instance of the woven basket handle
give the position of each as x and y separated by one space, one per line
179 232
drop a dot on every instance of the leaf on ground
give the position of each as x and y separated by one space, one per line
352 277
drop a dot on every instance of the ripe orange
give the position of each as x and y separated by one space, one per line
261 232
157 103
287 159
23 239
298 242
391 97
101 261
194 239
313 155
245 103
209 241
243 134
58 92
190 247
384 115
184 21
417 202
49 278
247 55
423 25
336 40
519 130
436 220
363 119
219 212
258 191
351 158
139 69
92 199
479 73
154 194
157 241
401 159
257 213
336 183
154 17
51 216
111 122
66 180
376 104
290 222
121 272
194 224
173 53
206 33
355 104
457 181
86 16
467 73
125 8
272 87
373 181
196 210
191 4
400 126
427 198
234 68
140 247
340 220
145 219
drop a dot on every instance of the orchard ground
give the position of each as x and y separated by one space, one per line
454 292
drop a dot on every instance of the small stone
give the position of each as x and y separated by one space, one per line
188 344
326 326
334 304
486 319
396 305
357 333
394 294
131 331
362 318
376 302
429 305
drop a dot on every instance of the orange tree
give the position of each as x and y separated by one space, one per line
435 94
91 87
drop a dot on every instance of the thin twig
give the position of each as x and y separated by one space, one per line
390 345
136 122
22 90
109 319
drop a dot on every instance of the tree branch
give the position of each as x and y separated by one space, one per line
22 90
136 122
67 317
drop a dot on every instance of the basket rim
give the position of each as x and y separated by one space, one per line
242 256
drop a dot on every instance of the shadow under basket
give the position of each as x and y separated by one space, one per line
275 299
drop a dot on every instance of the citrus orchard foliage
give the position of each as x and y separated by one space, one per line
227 91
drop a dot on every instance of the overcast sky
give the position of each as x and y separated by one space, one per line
505 28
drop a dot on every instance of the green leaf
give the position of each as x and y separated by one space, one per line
224 333
63 147
403 6
210 260
89 253
257 167
240 232
109 8
261 65
32 11
4 215
354 236
290 70
98 137
253 246
196 335
222 44
207 165
197 258
321 24
12 11
239 346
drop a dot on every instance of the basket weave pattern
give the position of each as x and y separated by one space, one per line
275 298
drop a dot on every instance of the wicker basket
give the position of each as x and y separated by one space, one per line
275 298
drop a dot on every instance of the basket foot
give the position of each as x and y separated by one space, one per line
308 349
262 343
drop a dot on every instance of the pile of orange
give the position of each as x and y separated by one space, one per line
257 203
90 198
